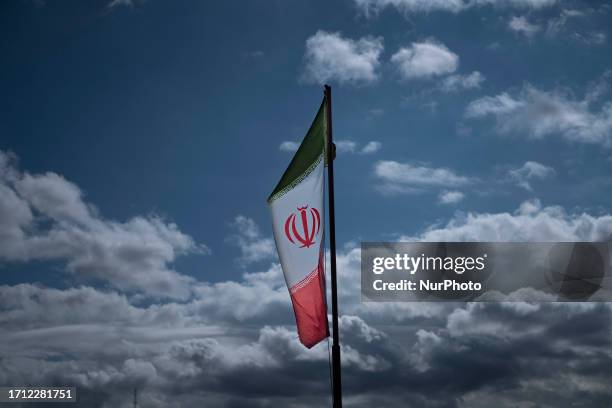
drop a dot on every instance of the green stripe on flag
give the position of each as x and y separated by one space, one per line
306 158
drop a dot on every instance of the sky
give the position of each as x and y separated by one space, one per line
139 140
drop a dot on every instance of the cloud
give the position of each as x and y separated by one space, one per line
35 307
530 170
450 197
343 146
288 146
220 367
529 223
331 57
591 38
165 353
369 7
123 3
253 55
349 146
536 114
44 217
521 25
373 7
566 25
375 113
425 60
496 105
559 24
234 342
599 88
253 246
455 83
408 178
371 147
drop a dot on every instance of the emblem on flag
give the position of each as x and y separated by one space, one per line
309 229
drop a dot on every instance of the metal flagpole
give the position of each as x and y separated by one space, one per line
331 154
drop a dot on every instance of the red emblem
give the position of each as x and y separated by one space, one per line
306 236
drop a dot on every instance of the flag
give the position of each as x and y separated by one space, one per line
298 222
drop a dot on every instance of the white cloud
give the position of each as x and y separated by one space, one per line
344 146
529 4
530 223
591 38
528 171
425 60
253 246
371 147
599 88
574 13
454 83
375 112
522 26
558 24
562 25
369 7
495 105
408 178
536 114
44 217
450 197
331 57
372 7
288 146
55 197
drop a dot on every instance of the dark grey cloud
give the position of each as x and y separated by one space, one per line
475 349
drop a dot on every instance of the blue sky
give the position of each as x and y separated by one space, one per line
140 140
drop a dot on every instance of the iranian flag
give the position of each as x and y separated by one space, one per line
297 214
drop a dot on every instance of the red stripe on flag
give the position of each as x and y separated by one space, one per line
310 307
